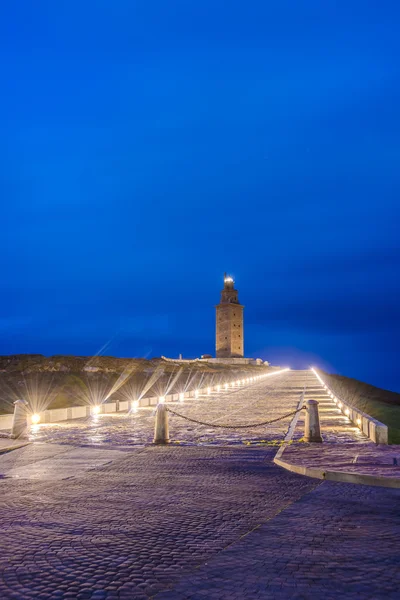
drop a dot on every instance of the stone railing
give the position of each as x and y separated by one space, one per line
372 428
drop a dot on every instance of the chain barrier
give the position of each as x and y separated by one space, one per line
235 426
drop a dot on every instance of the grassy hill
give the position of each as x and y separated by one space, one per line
62 381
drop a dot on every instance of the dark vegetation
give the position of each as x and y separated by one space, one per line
380 404
62 381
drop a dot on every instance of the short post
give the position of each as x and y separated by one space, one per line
312 432
19 426
161 433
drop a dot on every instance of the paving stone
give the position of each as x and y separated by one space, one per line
209 518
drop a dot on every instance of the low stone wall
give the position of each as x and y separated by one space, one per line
372 428
56 415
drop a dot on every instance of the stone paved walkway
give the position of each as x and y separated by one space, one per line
268 399
213 520
339 541
7 444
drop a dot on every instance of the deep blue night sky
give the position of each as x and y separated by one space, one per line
149 146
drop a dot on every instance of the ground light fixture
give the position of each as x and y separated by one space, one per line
96 409
161 400
181 397
208 391
135 404
35 418
196 393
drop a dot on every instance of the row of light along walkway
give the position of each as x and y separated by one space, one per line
35 418
243 402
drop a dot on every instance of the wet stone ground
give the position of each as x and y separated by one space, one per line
272 398
214 520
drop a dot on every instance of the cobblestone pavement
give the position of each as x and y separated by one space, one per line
130 528
268 399
54 461
340 541
7 444
190 521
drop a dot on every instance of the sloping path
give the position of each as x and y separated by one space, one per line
133 527
267 399
212 520
338 541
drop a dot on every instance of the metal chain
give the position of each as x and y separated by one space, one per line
235 426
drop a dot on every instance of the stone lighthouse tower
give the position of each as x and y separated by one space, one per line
229 328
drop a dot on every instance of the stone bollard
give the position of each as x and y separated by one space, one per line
312 431
161 433
19 426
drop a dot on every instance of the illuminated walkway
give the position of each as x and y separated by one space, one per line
95 514
271 398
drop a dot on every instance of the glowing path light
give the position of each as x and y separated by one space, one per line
35 418
96 409
181 397
161 400
341 405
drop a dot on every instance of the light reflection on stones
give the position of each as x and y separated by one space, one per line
257 403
